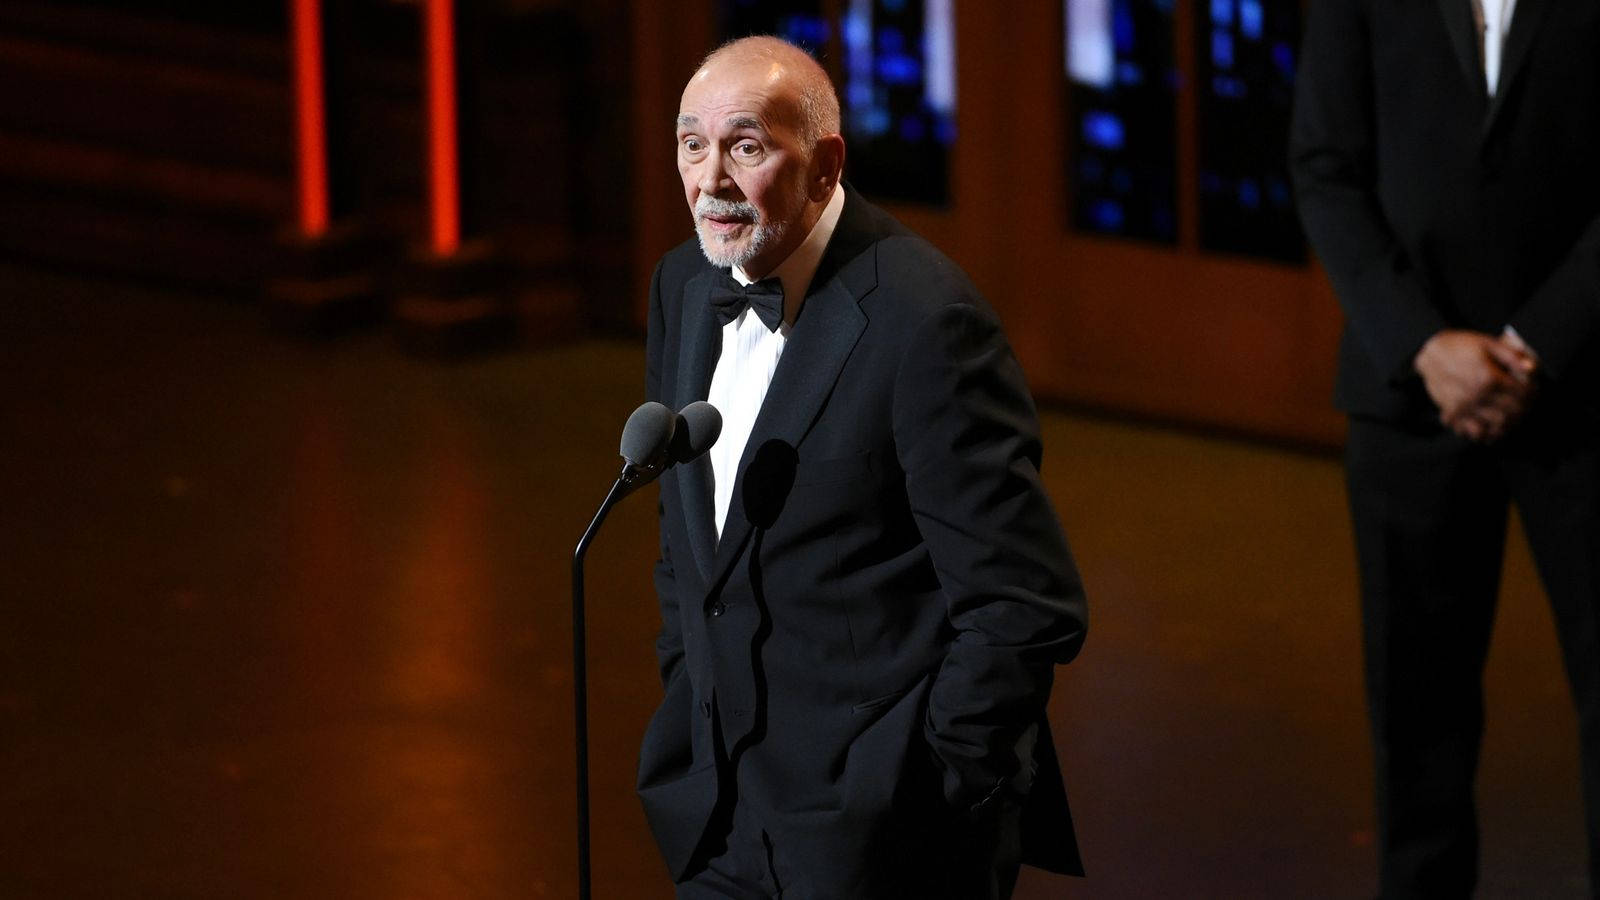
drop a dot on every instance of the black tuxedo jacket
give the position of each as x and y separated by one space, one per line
1434 206
891 591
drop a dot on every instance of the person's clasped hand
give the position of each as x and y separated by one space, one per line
1481 383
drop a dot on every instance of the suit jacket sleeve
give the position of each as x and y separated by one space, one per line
1333 164
669 641
967 439
1563 315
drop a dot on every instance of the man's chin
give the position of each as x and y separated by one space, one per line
722 252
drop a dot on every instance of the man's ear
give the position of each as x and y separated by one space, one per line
827 164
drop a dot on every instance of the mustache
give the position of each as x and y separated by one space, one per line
708 205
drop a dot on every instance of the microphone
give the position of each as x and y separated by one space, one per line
698 427
646 445
654 438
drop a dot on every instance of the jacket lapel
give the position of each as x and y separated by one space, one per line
1525 21
1458 23
829 325
702 340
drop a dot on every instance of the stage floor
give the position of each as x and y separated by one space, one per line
288 618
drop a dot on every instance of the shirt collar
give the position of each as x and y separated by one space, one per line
797 271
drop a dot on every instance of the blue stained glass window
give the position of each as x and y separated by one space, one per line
1222 48
1228 87
798 21
1107 215
899 69
1122 99
894 64
1245 202
1251 19
805 30
898 64
1102 130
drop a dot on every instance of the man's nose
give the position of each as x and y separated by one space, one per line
712 175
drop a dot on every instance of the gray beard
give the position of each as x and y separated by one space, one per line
719 250
722 254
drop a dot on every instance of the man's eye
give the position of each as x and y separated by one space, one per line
692 145
747 148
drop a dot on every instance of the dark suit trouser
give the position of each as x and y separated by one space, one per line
1429 513
930 853
968 861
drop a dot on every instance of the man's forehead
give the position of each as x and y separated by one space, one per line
739 95
748 72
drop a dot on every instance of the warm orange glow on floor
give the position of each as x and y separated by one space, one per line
443 182
282 619
311 129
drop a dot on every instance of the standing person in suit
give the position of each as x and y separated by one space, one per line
864 589
1446 158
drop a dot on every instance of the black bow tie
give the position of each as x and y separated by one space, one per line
765 297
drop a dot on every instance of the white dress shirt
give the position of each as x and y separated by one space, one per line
750 355
1493 18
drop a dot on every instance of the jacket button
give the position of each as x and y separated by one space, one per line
718 608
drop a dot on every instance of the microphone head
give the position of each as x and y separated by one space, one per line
698 427
648 435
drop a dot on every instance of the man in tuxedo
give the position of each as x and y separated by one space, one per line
1445 161
864 590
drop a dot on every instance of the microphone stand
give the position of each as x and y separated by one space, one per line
632 478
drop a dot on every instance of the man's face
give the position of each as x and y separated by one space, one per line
743 164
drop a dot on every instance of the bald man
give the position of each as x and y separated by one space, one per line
864 589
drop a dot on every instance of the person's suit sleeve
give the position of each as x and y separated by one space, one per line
967 438
669 641
1332 160
1563 315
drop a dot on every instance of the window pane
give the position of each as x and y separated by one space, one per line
1245 66
1122 98
798 21
899 97
896 76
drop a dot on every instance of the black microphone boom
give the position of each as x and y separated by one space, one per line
654 439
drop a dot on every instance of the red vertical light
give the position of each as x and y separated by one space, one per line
443 182
311 127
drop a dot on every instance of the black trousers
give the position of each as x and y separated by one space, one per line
1429 512
926 850
961 861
